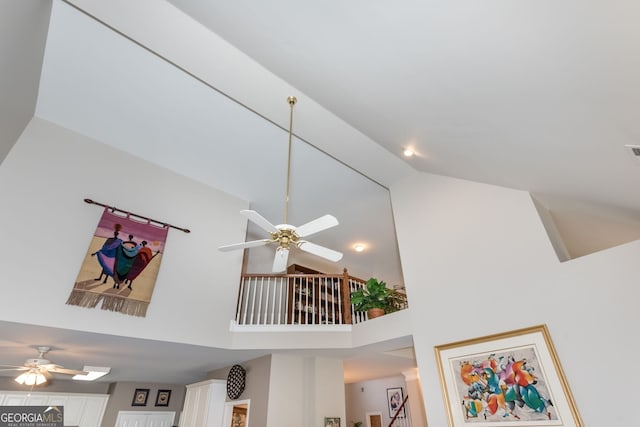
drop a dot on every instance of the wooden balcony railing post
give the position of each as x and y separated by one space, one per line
346 298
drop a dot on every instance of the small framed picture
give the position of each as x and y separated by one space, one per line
162 398
140 397
331 421
394 401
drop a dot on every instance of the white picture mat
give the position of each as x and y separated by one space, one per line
451 355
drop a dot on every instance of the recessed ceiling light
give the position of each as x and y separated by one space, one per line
359 247
408 152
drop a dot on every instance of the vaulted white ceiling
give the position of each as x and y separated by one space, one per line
535 95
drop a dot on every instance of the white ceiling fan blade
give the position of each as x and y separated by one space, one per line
317 225
61 370
321 251
13 368
259 220
280 260
244 245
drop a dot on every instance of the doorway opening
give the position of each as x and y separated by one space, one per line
236 413
374 419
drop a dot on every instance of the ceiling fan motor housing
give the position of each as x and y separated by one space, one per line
285 236
37 362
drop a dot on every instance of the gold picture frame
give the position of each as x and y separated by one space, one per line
507 379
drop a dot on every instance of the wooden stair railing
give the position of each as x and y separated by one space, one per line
400 409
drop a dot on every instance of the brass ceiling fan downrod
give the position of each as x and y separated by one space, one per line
286 235
292 101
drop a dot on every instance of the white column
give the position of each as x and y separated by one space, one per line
416 402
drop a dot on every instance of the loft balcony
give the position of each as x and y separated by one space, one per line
302 298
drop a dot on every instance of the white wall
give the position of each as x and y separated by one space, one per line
43 182
328 386
477 260
23 31
121 396
291 390
305 390
287 404
257 382
371 396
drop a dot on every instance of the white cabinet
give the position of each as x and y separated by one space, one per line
204 404
145 419
80 409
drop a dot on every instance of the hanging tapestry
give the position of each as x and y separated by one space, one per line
121 265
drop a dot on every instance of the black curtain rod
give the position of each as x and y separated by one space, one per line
114 209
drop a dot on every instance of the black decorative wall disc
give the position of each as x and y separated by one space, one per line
235 381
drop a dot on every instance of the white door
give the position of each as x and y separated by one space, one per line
13 399
144 419
159 420
131 420
37 400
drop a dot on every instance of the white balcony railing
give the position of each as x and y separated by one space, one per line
298 299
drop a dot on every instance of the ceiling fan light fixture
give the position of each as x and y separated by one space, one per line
31 377
38 370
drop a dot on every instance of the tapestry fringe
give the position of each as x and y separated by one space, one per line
83 299
125 306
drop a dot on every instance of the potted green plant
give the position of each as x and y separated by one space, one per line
374 298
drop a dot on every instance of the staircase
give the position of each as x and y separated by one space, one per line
401 417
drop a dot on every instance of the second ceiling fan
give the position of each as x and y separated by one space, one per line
286 235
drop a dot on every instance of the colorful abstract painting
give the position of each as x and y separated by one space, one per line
503 386
121 265
509 379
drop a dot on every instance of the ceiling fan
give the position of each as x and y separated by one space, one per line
38 370
286 235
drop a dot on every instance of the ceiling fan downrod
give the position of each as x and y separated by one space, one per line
292 101
43 351
286 235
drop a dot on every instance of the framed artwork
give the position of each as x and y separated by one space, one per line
162 398
508 379
140 397
394 401
331 421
